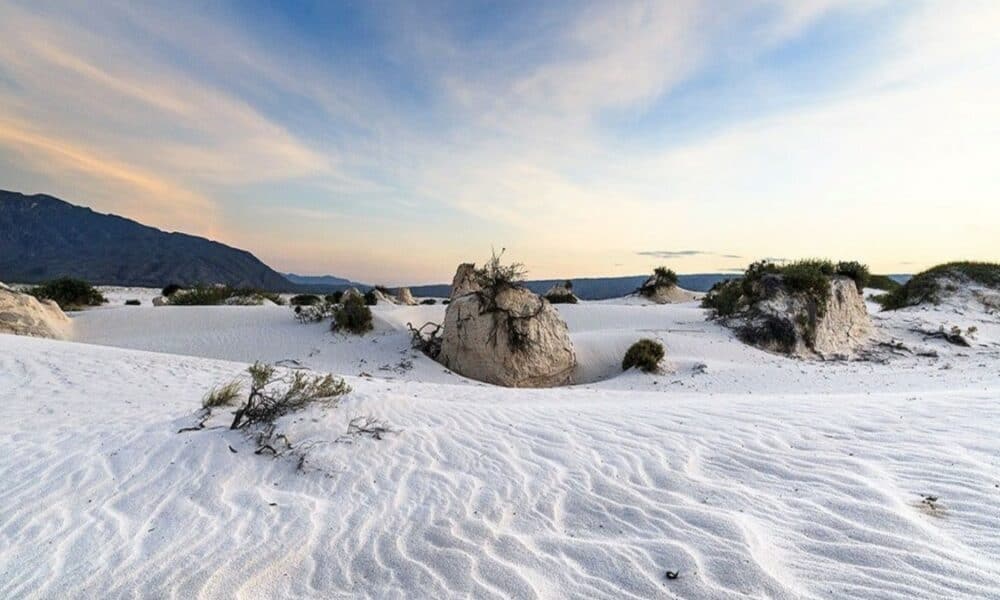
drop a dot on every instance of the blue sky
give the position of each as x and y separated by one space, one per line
388 141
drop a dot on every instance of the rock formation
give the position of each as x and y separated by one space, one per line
23 314
405 297
507 336
800 325
464 281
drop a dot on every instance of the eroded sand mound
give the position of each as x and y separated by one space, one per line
516 340
798 324
23 314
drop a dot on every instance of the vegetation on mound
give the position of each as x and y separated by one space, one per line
335 297
170 289
305 300
927 286
884 283
214 295
428 302
662 277
645 354
133 303
69 293
353 316
567 297
809 278
495 276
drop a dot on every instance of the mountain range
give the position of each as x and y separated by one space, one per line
42 238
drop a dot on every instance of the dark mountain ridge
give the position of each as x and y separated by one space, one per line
42 238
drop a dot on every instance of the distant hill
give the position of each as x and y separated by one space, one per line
595 288
42 238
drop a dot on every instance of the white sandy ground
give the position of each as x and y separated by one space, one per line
752 476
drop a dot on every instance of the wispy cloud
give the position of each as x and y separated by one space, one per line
684 254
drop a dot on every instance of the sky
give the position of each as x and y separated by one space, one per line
389 141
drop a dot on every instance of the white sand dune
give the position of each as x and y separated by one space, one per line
761 477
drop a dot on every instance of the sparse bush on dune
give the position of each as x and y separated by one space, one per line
495 276
662 278
273 395
335 297
132 303
428 302
305 300
724 297
370 298
69 293
927 286
170 289
223 395
856 271
645 355
213 295
353 316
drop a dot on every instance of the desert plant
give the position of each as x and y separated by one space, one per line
428 302
562 298
856 271
352 316
335 297
273 395
645 354
69 293
223 395
495 276
370 298
724 297
304 300
212 295
170 289
927 287
132 303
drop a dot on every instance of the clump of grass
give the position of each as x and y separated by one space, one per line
662 277
170 289
273 395
927 287
856 271
495 276
213 295
305 300
223 395
725 297
645 355
69 293
352 316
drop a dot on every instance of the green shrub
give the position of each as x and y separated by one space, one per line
305 300
352 316
132 303
883 282
724 297
223 395
170 289
771 332
569 298
664 276
214 295
428 302
370 298
335 297
926 286
645 354
856 271
69 293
